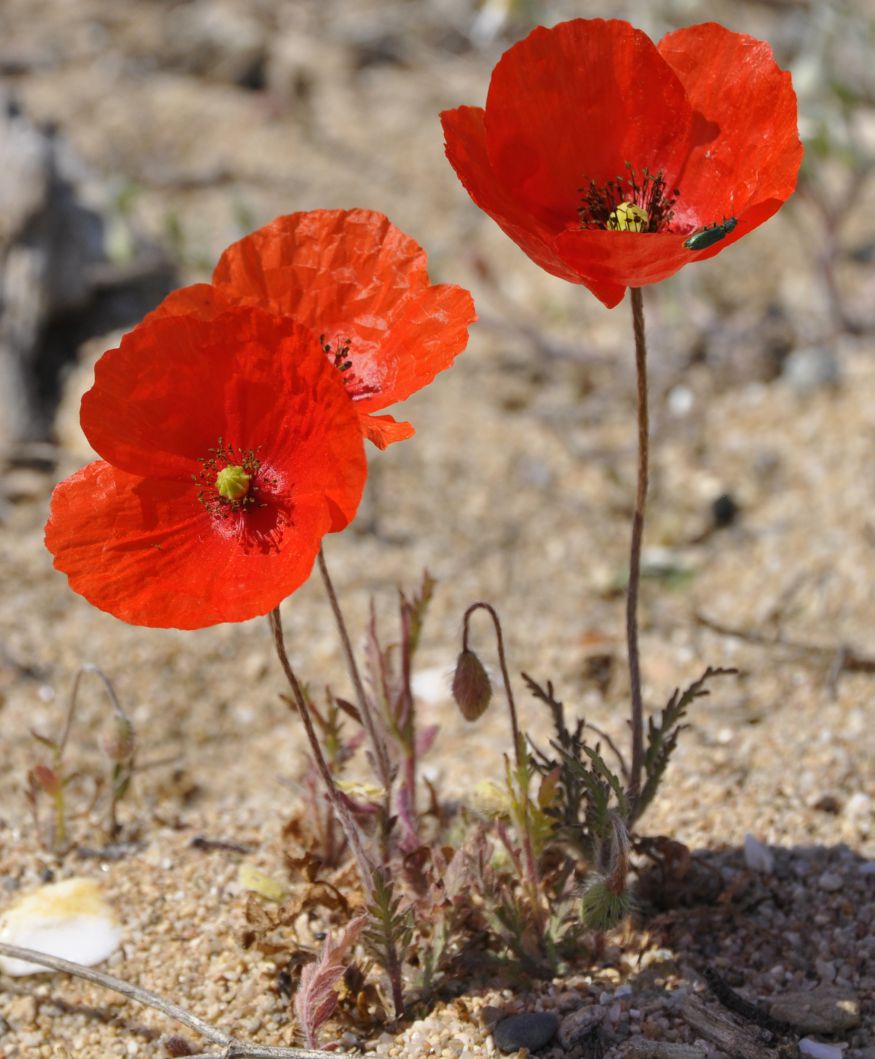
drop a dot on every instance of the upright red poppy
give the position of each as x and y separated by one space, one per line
230 448
590 118
359 282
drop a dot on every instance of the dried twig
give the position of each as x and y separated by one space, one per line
231 1047
818 654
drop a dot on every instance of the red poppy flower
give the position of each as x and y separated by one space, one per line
359 282
588 118
230 449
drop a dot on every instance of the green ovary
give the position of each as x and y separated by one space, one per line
232 483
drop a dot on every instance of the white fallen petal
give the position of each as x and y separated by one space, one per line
432 685
69 919
819 1050
757 856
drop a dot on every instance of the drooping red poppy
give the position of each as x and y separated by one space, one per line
360 283
590 117
229 449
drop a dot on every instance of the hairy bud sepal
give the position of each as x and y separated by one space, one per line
602 908
472 688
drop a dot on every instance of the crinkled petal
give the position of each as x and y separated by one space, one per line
147 552
355 279
746 149
384 430
434 323
177 384
575 103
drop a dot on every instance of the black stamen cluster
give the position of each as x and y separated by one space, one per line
600 201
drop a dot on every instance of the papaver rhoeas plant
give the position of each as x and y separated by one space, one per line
360 284
230 448
602 154
613 162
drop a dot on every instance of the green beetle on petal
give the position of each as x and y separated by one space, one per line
710 234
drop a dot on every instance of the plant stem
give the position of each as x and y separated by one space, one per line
364 703
502 661
232 1048
341 810
637 718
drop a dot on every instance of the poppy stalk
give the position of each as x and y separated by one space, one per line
613 162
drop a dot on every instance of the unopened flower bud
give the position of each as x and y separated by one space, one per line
602 908
472 689
119 742
46 779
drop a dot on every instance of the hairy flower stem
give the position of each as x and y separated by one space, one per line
637 717
353 836
364 704
499 639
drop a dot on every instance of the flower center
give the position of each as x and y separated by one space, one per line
628 204
232 483
231 480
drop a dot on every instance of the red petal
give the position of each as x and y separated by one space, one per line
428 332
465 137
351 274
178 383
383 431
746 144
627 259
574 103
147 552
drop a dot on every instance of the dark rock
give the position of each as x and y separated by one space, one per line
531 1030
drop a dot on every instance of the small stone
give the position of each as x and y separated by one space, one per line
810 369
826 1009
580 1024
818 1050
831 882
868 868
757 856
531 1030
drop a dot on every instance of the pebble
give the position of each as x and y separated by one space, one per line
579 1024
69 919
826 1009
831 882
757 856
531 1030
811 368
818 1050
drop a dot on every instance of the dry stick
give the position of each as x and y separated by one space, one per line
852 661
364 704
635 549
232 1048
340 809
499 638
